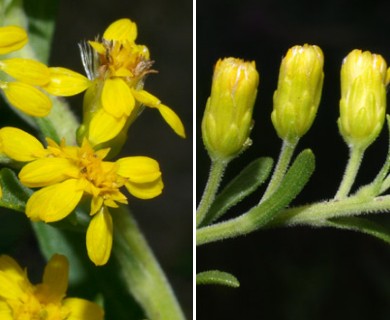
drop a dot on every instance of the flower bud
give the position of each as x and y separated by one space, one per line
363 98
298 93
228 116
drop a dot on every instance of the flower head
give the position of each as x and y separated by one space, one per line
21 300
117 67
31 77
299 90
228 116
67 173
363 97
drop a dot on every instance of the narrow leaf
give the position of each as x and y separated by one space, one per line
259 216
217 277
361 225
15 195
246 182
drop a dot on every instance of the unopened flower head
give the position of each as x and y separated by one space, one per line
227 119
24 92
363 97
21 300
67 173
298 94
117 67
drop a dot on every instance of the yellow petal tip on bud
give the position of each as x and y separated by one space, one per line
228 116
298 94
363 97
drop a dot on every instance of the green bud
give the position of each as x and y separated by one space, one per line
227 119
298 93
363 98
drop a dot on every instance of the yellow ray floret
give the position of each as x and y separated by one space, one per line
33 78
12 38
66 173
19 299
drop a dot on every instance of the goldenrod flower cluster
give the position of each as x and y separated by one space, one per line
62 174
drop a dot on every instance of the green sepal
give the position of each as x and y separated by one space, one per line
361 225
246 182
15 195
259 216
217 277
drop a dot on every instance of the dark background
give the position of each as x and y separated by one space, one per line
296 273
166 28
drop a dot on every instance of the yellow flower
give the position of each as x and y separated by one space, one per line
363 97
299 90
31 76
21 300
67 173
227 119
117 67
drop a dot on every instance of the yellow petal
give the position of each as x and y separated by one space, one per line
27 99
65 82
99 237
19 145
145 190
54 202
5 311
55 279
12 38
172 119
146 98
96 204
168 114
121 30
81 309
117 98
104 127
98 47
47 171
26 70
13 280
139 169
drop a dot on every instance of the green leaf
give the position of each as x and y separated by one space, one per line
47 129
72 245
246 182
259 216
15 195
361 225
292 184
217 277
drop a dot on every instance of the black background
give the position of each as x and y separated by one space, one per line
296 273
166 28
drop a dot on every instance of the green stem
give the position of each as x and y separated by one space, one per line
285 156
316 214
141 271
216 172
353 165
